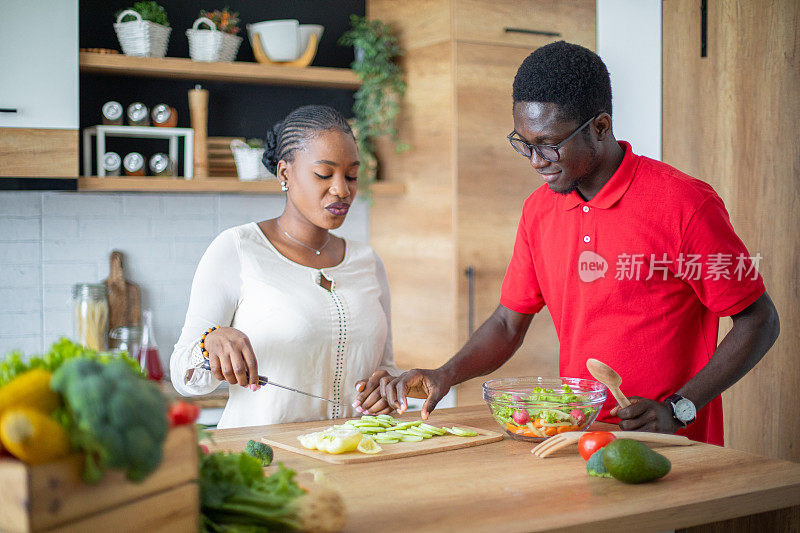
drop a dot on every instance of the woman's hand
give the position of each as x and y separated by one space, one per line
370 399
231 357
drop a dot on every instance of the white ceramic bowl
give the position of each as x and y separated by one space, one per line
306 30
280 38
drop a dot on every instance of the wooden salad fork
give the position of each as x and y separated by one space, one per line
562 440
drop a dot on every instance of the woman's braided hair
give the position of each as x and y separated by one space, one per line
300 126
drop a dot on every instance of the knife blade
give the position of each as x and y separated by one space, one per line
264 381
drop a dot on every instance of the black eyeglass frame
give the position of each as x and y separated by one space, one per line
538 147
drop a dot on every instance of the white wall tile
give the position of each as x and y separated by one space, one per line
81 203
21 276
142 204
58 228
20 299
196 205
68 274
57 297
20 228
191 250
75 251
58 321
20 203
119 227
28 345
20 324
186 227
20 253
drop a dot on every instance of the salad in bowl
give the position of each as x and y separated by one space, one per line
535 408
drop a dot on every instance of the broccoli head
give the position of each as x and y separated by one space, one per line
260 451
115 416
595 466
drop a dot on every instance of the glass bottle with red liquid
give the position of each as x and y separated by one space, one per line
148 350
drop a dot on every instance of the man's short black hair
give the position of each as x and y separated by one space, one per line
566 74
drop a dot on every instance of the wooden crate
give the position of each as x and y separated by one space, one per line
53 497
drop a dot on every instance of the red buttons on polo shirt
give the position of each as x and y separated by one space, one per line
656 327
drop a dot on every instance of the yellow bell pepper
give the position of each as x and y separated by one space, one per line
32 436
31 389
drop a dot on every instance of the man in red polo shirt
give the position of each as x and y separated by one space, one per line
635 261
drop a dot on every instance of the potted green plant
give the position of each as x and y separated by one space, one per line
143 30
217 43
377 101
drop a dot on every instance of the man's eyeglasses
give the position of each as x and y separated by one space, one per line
548 152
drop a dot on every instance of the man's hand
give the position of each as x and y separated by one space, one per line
646 415
418 383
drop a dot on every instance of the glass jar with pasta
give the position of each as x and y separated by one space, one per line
90 314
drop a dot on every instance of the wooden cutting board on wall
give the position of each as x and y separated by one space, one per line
124 297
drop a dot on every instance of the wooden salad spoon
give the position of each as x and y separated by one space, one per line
608 377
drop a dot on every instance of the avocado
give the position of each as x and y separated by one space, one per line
631 461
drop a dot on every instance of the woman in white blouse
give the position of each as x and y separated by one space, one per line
288 299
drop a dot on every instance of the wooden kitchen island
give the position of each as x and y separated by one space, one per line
501 486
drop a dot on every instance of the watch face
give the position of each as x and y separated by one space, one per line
684 410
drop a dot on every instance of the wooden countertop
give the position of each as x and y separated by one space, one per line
502 487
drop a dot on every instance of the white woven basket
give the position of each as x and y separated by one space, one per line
211 45
141 37
248 162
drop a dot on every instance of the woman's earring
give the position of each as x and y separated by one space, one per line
284 186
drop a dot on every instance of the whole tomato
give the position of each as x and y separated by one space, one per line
182 412
592 441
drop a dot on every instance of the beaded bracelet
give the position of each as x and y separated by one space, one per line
203 341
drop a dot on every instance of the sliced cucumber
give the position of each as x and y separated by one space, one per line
432 429
462 432
411 438
419 432
383 440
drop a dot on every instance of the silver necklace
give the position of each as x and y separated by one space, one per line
316 251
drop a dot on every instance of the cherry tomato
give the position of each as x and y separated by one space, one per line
182 412
592 441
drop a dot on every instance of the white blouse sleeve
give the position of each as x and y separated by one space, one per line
387 360
216 290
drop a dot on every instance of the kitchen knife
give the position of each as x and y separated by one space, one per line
264 381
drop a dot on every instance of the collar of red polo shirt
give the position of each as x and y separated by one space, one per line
614 189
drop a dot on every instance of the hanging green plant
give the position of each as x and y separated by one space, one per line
377 101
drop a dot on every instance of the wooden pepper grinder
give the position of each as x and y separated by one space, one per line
198 110
123 296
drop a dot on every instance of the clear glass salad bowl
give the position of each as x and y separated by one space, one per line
534 408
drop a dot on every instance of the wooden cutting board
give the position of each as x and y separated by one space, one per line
124 297
287 440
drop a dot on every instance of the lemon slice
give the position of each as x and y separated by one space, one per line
368 445
308 441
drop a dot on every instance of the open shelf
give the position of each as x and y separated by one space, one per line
204 185
237 71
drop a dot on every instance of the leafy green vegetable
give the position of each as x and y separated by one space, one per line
236 496
260 451
149 11
115 416
595 466
61 351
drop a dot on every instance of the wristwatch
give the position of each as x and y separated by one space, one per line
683 409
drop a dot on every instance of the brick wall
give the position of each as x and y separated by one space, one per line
51 240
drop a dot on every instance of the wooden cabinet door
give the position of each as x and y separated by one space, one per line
730 118
525 23
492 183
